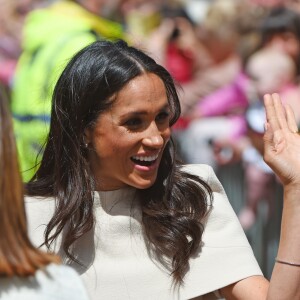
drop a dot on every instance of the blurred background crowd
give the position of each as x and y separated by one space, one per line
224 55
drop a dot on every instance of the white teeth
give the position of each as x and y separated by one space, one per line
145 158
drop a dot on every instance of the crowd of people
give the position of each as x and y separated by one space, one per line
116 115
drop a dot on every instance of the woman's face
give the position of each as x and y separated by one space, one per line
127 142
286 42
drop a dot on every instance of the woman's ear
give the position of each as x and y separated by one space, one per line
87 137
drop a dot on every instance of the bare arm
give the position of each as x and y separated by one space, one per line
282 153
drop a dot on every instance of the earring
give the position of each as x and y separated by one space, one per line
85 144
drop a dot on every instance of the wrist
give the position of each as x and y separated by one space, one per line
292 189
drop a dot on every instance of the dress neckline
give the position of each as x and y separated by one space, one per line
115 200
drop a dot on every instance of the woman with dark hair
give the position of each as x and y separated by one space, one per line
25 271
280 29
111 198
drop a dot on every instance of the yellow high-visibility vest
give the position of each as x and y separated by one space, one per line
52 36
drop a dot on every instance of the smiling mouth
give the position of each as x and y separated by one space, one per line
144 160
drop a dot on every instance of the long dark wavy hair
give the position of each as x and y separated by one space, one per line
172 209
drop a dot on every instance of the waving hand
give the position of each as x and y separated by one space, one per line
282 141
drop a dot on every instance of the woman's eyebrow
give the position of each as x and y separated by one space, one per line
134 113
144 112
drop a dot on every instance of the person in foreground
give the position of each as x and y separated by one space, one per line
112 199
25 271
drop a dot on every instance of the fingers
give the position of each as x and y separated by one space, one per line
291 121
280 111
279 117
271 112
275 112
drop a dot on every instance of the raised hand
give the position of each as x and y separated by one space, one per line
282 153
282 141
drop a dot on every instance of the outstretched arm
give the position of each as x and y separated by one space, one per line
282 154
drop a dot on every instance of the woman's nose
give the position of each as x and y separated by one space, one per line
153 138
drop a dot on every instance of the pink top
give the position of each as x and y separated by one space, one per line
228 100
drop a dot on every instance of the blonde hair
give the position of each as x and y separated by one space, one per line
229 19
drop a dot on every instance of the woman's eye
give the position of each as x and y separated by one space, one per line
134 122
163 116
